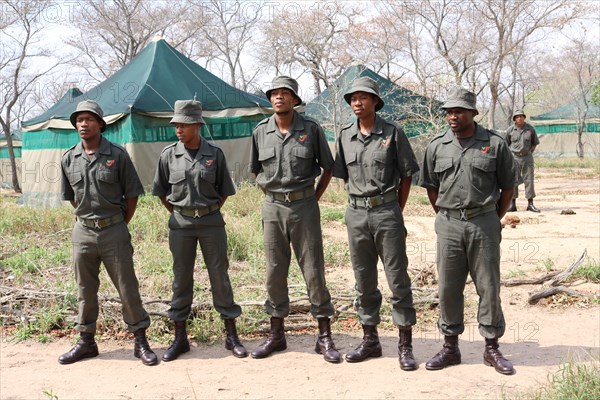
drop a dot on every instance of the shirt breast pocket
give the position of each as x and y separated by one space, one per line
107 176
266 156
77 183
382 166
302 161
484 171
208 173
443 170
178 186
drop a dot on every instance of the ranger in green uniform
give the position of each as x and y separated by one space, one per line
523 140
376 162
193 182
287 154
469 174
99 180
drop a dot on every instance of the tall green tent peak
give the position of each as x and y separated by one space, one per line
401 104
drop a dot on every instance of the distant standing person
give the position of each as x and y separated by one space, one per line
100 181
287 154
523 140
376 162
193 182
469 174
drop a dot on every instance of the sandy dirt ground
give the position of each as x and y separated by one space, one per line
538 337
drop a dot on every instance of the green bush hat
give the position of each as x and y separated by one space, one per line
89 106
284 82
519 112
461 98
364 84
187 112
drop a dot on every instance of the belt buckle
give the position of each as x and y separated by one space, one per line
368 203
96 223
196 215
286 197
463 214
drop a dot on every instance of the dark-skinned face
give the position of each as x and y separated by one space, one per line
460 120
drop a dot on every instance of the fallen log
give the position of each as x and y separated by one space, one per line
536 296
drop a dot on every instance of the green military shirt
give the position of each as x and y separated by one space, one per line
522 140
374 164
101 185
290 162
192 182
468 177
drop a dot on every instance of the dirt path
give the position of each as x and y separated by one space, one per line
537 340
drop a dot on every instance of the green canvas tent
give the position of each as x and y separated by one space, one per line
138 104
401 104
557 129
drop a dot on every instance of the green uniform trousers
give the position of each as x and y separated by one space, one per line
380 232
111 246
213 243
525 166
298 223
463 248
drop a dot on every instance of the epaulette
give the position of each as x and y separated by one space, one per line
168 147
309 119
438 136
118 146
347 126
495 133
264 121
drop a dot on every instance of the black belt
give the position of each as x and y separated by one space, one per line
100 223
288 197
196 212
372 201
465 214
521 154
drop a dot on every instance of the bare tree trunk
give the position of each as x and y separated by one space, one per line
13 161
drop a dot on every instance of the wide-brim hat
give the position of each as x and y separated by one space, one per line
187 112
461 98
89 106
518 112
364 84
284 82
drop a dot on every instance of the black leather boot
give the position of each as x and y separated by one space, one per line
405 354
531 207
142 350
493 357
232 342
449 355
180 345
274 342
370 346
325 343
513 206
85 348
